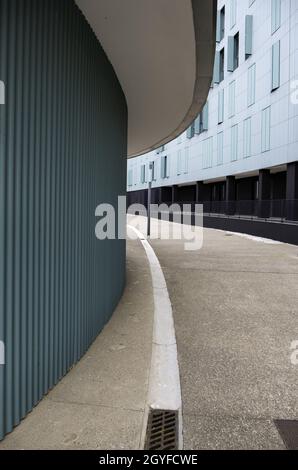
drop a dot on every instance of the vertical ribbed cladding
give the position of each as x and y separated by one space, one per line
9 311
62 152
3 74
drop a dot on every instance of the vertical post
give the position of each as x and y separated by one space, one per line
292 191
199 191
264 194
174 194
230 195
149 200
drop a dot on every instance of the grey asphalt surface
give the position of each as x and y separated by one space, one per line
235 305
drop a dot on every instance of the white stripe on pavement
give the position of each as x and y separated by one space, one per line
164 381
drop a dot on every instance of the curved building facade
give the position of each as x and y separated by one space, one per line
74 104
239 156
64 110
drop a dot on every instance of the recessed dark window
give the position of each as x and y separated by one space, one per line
222 65
236 51
222 22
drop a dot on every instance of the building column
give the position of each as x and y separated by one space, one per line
160 194
230 195
264 208
292 191
199 191
174 193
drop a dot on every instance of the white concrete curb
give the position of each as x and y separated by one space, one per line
254 238
164 382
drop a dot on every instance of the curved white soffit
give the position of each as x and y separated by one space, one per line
163 54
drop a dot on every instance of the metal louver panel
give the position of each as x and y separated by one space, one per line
248 35
62 152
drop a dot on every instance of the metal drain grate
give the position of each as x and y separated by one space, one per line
288 430
162 430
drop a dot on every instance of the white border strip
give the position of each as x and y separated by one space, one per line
254 238
164 381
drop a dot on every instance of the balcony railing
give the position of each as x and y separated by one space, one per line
279 209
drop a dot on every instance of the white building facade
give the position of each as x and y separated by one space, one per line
243 147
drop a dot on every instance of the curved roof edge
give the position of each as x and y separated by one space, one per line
163 55
205 34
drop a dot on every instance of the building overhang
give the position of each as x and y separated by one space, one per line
163 54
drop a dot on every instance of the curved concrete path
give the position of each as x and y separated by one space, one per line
235 305
100 403
235 310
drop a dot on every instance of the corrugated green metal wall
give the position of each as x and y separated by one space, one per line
63 151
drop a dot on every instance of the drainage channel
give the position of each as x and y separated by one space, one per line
162 430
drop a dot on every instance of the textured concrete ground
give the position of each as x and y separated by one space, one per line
100 403
235 306
235 309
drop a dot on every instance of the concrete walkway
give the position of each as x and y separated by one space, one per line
100 403
235 309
